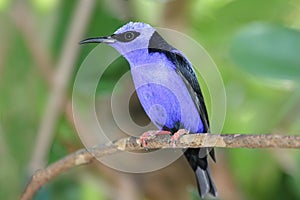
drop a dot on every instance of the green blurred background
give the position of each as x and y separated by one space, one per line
255 44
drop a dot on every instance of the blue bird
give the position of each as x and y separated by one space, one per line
167 88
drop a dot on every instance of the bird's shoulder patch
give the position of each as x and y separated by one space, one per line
158 44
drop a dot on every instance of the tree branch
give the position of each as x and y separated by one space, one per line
86 156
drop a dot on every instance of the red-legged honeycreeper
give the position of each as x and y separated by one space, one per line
167 88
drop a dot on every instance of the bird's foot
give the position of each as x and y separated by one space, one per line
175 137
150 135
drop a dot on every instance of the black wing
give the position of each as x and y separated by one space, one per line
185 71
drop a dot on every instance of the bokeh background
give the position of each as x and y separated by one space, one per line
255 44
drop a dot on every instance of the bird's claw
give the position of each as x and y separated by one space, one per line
150 135
175 137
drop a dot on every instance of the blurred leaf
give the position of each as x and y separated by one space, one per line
268 50
8 171
44 5
44 193
90 190
3 4
256 172
112 75
148 11
294 181
66 187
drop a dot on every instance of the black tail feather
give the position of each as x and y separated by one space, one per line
202 172
212 154
205 183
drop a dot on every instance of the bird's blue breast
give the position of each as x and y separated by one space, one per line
162 92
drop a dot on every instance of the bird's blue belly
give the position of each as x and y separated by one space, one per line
165 97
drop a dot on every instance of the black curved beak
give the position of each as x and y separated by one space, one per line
105 39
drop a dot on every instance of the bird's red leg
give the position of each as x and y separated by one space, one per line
151 134
175 137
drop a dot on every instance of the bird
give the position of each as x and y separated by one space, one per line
167 88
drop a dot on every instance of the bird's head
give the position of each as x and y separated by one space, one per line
130 37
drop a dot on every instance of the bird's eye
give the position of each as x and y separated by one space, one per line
129 36
126 37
